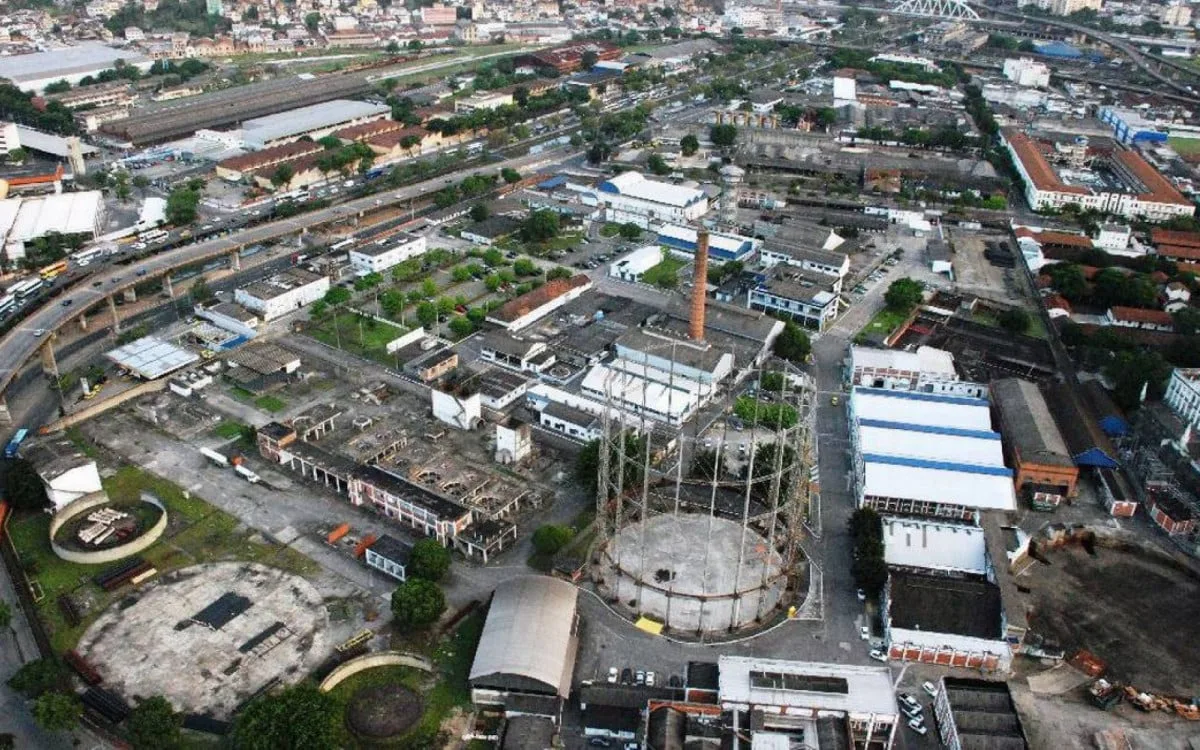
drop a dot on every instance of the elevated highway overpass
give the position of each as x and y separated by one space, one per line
36 332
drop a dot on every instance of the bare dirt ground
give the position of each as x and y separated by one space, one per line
1135 611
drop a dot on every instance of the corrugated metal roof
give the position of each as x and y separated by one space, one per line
930 445
921 409
938 484
530 632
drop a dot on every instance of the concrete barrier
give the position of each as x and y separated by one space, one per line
100 407
371 661
112 554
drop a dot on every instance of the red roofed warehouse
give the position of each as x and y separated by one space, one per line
1123 183
520 312
569 57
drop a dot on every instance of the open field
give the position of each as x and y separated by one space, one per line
357 334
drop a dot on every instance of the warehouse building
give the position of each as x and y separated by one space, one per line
722 247
1045 474
66 472
975 714
379 256
926 370
633 265
33 72
791 703
809 298
282 293
314 121
524 310
23 220
526 654
1183 394
632 198
919 454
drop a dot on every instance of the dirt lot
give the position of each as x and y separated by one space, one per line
1138 613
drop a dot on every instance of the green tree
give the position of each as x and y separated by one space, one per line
55 712
427 313
23 487
37 676
479 212
492 282
1068 280
300 716
510 175
5 615
658 165
1187 321
417 603
154 724
550 538
428 287
559 272
904 294
461 326
689 145
337 296
793 343
540 225
590 58
723 136
313 22
525 267
1014 320
181 206
282 175
429 560
60 86
200 291
392 303
630 231
318 309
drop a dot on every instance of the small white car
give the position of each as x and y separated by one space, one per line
862 595
865 632
909 701
650 677
878 655
930 689
917 726
612 675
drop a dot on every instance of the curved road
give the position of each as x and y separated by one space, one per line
23 341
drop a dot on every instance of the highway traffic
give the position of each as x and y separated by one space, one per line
23 341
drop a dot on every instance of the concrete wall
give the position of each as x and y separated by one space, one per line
83 505
371 661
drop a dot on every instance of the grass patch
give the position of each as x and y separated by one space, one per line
229 430
351 332
75 435
665 275
1184 146
754 412
884 322
270 404
196 532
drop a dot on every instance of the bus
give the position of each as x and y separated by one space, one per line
23 290
84 257
7 304
54 269
10 450
154 235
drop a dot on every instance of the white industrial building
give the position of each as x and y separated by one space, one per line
633 265
927 370
282 293
379 256
25 219
927 455
315 121
35 71
150 358
634 393
786 701
1183 394
66 473
1025 71
934 545
631 197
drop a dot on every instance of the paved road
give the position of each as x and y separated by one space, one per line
23 341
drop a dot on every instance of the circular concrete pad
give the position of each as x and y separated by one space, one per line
147 644
694 559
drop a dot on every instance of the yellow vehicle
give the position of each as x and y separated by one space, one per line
54 269
834 401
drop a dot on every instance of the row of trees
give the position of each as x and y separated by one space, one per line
945 137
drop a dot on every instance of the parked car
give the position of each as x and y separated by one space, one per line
675 681
600 742
865 632
650 678
912 712
917 726
66 303
907 700
639 678
929 688
626 676
612 675
878 655
862 595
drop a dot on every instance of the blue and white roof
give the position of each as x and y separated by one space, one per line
925 409
635 185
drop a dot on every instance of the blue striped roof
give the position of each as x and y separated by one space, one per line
921 463
929 429
913 396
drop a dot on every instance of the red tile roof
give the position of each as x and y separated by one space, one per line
530 301
1160 190
367 129
1178 251
1039 170
392 138
268 156
1057 301
1172 237
1140 315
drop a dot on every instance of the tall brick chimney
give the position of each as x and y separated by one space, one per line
699 287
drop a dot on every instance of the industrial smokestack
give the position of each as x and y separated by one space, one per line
699 287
